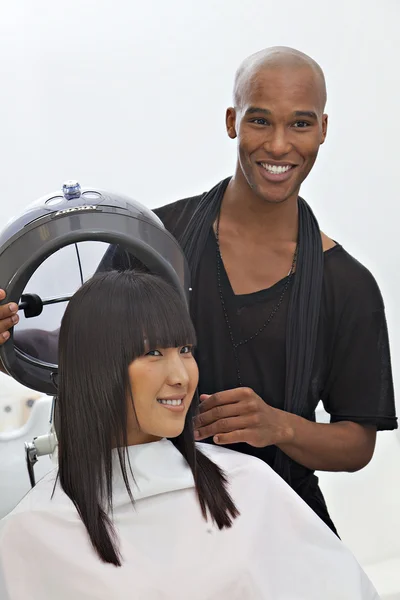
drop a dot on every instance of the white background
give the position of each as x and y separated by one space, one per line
131 97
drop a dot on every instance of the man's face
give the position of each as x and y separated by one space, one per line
280 126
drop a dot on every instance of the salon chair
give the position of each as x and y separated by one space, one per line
14 478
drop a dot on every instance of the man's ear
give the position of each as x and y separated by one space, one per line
231 123
324 128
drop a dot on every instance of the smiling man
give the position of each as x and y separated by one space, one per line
285 317
281 90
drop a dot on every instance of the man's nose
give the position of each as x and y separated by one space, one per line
277 143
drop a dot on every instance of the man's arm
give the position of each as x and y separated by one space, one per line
358 394
240 415
343 446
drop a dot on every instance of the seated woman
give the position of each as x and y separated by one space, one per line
137 509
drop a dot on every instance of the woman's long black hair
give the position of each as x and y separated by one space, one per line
102 332
304 303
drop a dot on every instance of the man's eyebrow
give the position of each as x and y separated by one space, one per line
255 109
305 113
265 111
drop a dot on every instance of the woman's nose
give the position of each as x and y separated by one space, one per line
177 372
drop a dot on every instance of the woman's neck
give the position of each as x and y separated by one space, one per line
135 438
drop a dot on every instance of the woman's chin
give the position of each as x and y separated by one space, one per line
173 431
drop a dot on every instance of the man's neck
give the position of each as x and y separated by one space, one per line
244 209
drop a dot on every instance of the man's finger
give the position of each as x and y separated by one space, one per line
4 337
204 397
220 398
233 437
221 426
8 309
216 414
6 324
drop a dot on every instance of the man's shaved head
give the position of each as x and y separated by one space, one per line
278 120
275 58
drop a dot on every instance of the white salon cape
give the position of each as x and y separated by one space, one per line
278 549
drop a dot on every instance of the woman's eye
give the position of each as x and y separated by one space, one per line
187 349
153 353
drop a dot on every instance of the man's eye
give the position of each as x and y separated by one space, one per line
301 124
259 121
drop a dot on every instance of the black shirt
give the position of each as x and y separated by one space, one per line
352 370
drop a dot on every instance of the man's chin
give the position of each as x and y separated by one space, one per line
274 192
276 196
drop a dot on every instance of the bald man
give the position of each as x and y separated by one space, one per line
285 317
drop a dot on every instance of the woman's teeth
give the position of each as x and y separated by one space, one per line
170 402
275 169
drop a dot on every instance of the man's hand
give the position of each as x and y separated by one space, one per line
240 415
8 318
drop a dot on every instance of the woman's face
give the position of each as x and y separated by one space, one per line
163 383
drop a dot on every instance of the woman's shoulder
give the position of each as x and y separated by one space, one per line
257 489
236 464
46 497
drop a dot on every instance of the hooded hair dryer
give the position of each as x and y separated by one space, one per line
69 219
55 231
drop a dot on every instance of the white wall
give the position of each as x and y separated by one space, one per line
130 96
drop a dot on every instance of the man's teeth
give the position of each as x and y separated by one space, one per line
275 169
170 402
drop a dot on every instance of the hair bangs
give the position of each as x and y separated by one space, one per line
161 316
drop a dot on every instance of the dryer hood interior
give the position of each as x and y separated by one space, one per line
56 244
